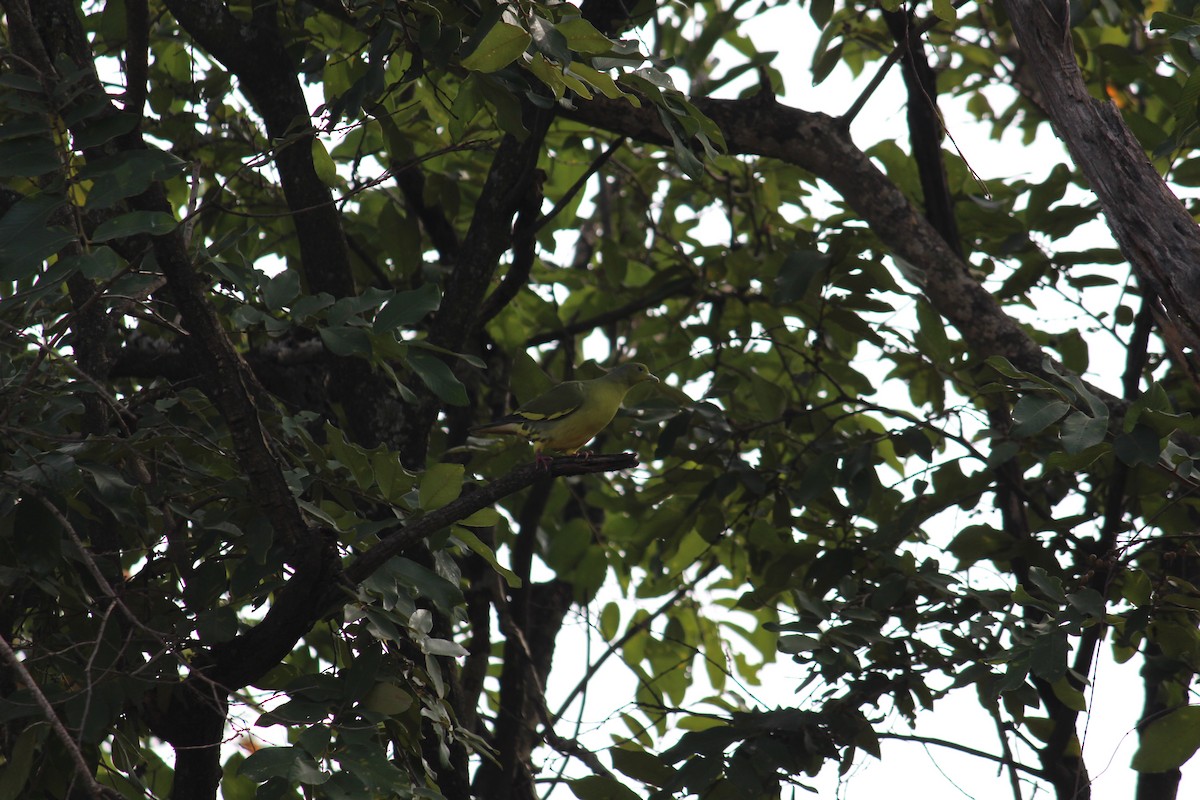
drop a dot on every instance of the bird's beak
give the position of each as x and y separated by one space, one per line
652 377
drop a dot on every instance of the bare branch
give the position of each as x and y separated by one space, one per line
962 748
403 536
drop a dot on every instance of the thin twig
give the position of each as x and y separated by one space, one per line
592 169
617 644
60 730
1006 748
567 747
889 62
962 748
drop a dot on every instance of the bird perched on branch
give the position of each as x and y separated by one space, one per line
568 416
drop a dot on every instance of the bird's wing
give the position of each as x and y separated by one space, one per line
554 404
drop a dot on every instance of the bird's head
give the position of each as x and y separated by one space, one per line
631 374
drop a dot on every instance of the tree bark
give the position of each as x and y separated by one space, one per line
1154 230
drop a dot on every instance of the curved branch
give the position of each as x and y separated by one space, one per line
822 145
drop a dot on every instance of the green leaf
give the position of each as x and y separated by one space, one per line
945 10
825 63
1049 585
548 74
1071 697
796 274
100 264
483 518
642 766
281 289
602 82
582 36
977 542
234 785
323 164
1169 741
28 157
98 130
440 484
346 341
1080 431
387 699
599 787
269 762
25 239
125 174
1089 601
1049 657
133 223
1033 413
610 621
393 480
548 41
443 647
477 546
1138 446
501 46
435 374
931 335
15 773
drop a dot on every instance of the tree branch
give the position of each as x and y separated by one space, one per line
137 55
1155 232
524 249
820 144
925 127
441 232
81 767
962 748
509 179
395 542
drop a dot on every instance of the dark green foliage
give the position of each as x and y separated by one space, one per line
241 349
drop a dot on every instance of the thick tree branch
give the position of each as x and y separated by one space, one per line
821 145
1154 230
394 543
925 126
258 54
509 180
137 55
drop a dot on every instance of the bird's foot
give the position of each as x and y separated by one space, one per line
542 462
